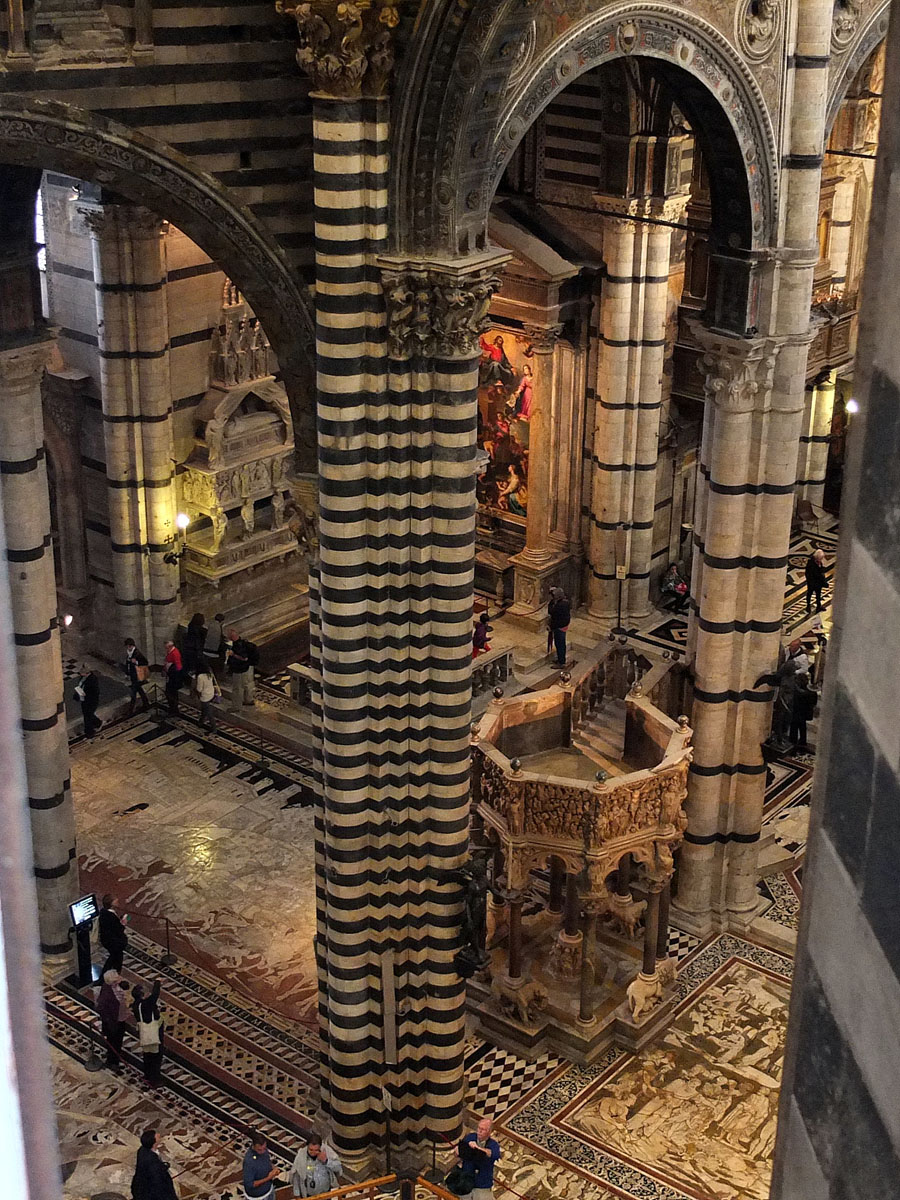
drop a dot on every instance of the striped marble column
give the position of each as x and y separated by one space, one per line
133 335
29 554
397 381
633 311
812 462
841 230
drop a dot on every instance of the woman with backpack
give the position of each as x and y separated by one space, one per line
148 1016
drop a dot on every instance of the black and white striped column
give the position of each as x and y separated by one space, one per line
133 336
397 423
633 320
29 554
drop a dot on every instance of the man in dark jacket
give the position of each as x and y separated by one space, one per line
87 689
136 667
239 665
111 934
151 1180
559 615
816 579
803 710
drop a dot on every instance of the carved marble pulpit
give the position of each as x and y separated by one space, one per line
243 443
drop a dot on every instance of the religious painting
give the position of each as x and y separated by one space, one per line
505 402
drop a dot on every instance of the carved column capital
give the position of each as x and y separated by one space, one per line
21 367
544 338
112 220
63 397
346 49
438 310
739 371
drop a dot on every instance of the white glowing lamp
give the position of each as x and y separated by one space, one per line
182 520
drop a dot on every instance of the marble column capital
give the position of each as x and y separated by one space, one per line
543 338
346 49
739 371
113 220
21 367
63 396
438 308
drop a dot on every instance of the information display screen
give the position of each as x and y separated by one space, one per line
83 910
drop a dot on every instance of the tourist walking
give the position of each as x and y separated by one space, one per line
214 647
138 671
150 1024
240 668
151 1179
559 615
258 1169
206 688
194 642
87 692
478 1152
816 579
316 1168
112 1008
174 675
111 934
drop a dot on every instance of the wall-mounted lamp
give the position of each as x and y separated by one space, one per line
67 619
172 557
852 406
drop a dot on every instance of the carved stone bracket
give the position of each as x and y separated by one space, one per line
544 338
437 310
346 49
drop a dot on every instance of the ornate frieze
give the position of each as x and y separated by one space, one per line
346 49
438 312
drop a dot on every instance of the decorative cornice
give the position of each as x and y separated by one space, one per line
544 338
438 310
346 49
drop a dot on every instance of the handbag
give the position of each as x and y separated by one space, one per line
148 1035
142 674
460 1180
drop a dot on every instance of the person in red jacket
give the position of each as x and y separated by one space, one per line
174 672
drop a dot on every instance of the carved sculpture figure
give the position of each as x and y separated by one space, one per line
644 994
525 1002
625 918
667 971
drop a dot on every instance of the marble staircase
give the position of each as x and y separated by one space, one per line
602 736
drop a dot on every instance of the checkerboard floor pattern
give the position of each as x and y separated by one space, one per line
70 668
681 944
498 1079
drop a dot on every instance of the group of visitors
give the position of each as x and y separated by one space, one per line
207 653
315 1170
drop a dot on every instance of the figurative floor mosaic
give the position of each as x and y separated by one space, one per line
705 1093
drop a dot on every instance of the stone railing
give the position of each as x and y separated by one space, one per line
491 669
607 674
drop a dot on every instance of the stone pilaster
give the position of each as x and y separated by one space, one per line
29 553
541 564
633 312
133 335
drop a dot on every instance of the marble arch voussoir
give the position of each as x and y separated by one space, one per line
59 137
487 98
660 32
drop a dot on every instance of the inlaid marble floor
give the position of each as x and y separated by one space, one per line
175 825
